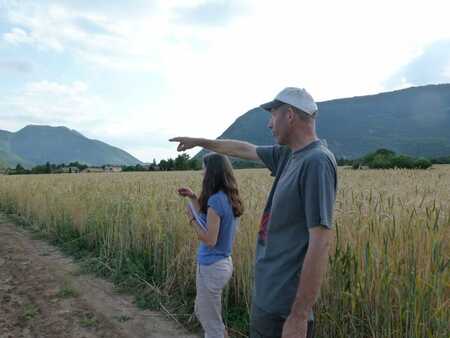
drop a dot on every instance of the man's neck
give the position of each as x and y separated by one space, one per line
302 142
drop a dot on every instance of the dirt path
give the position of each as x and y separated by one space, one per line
41 295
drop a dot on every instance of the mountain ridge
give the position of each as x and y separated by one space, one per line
38 144
413 121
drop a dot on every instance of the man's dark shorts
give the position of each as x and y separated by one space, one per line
265 325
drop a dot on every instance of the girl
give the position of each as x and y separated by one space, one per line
218 208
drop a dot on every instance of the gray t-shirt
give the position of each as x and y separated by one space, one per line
302 196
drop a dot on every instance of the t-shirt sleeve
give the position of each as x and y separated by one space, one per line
319 188
270 156
215 202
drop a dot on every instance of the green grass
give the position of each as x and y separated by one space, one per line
67 291
123 318
30 311
88 320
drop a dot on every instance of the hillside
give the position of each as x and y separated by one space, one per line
413 121
35 145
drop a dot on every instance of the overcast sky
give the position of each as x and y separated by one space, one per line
134 73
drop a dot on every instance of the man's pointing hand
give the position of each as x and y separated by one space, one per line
185 143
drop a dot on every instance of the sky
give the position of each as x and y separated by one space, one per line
135 73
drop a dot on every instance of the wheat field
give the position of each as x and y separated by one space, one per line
389 267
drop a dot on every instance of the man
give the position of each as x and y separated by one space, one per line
294 237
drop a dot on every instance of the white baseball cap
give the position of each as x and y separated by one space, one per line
296 97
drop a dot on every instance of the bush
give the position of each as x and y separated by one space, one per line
380 162
423 163
387 159
403 162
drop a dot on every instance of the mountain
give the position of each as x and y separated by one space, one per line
413 121
35 145
7 158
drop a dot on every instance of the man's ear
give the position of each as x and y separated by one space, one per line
290 114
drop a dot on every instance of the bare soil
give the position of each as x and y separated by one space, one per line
42 294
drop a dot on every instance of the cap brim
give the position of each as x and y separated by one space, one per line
271 105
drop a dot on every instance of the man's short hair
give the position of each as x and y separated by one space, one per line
300 113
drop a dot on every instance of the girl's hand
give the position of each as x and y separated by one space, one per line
186 192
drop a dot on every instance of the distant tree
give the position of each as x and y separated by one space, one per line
137 167
182 162
379 162
423 163
153 166
344 161
163 165
441 160
403 161
386 159
379 156
194 164
19 170
170 164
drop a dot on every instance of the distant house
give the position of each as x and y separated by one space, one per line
112 169
93 170
70 170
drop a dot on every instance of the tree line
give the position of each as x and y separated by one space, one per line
181 162
47 168
388 159
380 159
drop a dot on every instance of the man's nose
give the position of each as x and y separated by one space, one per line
270 124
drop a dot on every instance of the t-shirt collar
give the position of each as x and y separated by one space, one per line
313 144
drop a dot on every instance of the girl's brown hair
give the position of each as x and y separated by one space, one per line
219 176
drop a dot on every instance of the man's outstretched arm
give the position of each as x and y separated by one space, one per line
240 149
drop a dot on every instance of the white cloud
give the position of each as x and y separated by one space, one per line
54 88
215 64
210 13
73 105
116 42
17 36
429 66
54 103
447 71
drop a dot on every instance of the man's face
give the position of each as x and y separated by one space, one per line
278 123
